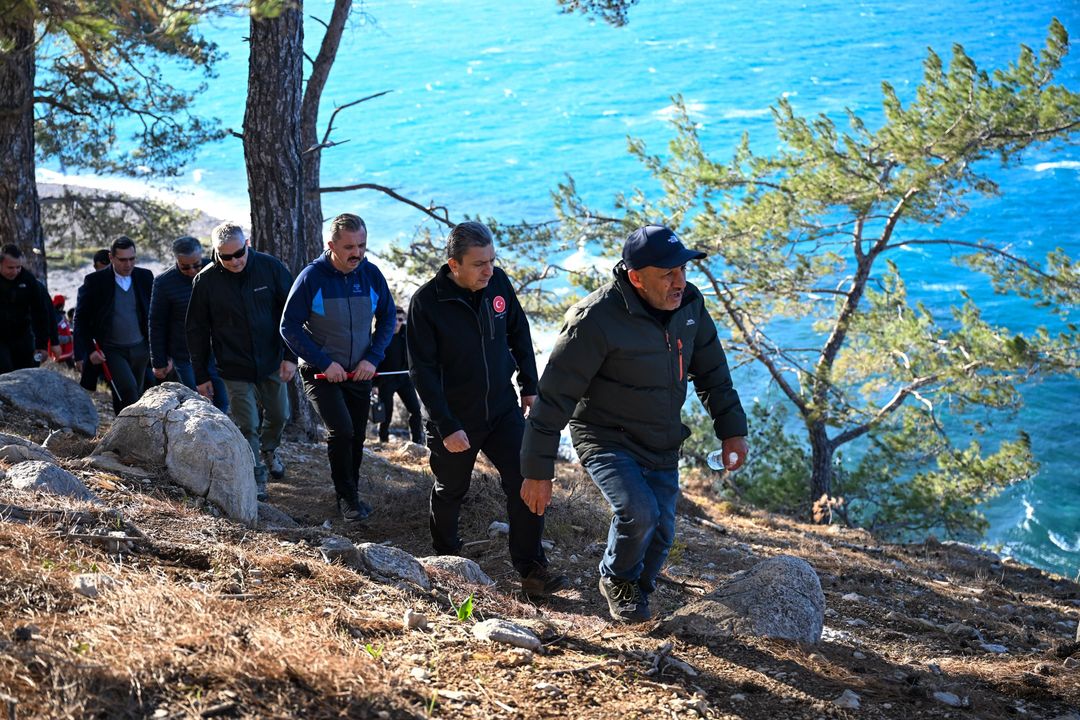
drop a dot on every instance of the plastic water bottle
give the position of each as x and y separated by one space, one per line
716 459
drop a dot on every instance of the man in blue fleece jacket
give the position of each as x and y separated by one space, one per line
327 323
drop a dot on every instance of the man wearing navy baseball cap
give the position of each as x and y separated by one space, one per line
618 375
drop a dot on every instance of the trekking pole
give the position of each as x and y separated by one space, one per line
322 376
105 370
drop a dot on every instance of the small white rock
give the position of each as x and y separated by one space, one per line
852 597
548 689
948 698
1071 663
420 674
858 655
414 620
496 528
847 700
503 631
737 697
994 648
93 584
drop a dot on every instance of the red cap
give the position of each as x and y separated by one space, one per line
58 300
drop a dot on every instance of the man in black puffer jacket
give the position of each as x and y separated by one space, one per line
618 375
235 308
467 335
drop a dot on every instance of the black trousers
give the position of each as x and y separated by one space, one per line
17 353
501 443
128 367
343 408
403 388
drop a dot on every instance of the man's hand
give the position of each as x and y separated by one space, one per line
206 389
737 447
335 373
287 370
457 442
536 494
363 371
161 373
526 407
97 357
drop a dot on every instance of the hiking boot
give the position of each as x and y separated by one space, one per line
624 599
540 582
354 510
260 491
273 464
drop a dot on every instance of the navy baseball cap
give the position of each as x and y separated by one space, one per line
656 246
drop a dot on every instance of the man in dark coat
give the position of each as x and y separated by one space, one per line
26 321
235 308
111 322
618 375
467 336
168 310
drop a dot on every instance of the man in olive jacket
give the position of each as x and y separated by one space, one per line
235 307
618 375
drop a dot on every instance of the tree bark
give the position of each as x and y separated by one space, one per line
272 146
20 210
821 456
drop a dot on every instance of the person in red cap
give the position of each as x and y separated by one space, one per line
63 350
618 375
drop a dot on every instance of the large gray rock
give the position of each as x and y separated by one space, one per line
780 597
392 562
464 567
51 396
48 478
174 429
14 449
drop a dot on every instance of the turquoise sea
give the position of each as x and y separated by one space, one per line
493 103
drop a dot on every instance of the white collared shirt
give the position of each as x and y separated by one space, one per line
124 281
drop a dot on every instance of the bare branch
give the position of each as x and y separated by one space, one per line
990 249
432 211
887 409
333 116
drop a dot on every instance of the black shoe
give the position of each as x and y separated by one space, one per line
624 599
540 582
354 511
273 464
260 491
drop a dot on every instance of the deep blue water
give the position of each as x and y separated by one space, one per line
494 102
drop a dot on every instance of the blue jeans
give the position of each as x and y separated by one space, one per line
643 525
186 373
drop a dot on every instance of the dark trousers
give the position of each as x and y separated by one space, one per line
343 408
17 353
501 443
403 388
128 367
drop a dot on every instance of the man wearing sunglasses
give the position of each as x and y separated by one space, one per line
168 308
236 305
111 322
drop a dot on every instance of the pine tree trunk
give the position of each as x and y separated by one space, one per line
20 210
821 456
272 136
272 153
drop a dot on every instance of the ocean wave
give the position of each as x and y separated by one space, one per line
1063 543
742 114
1059 165
695 110
944 287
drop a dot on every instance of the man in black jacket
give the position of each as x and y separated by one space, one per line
618 375
168 309
467 335
235 307
26 322
396 360
111 322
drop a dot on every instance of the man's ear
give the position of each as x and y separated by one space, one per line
635 278
454 265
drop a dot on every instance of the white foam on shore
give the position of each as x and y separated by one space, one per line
188 197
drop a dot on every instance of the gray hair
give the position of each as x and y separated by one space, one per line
185 246
466 235
347 222
225 232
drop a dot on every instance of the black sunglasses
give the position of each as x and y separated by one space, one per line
233 256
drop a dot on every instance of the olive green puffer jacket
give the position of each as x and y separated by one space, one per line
620 378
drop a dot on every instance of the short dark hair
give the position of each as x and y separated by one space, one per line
347 222
466 235
102 256
12 251
121 243
185 246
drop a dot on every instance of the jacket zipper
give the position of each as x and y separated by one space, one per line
679 341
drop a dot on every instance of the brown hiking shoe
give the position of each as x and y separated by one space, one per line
540 582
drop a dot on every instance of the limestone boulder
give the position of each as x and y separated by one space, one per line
466 568
14 449
394 563
39 476
53 397
780 597
173 429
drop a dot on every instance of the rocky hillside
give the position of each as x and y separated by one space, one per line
147 603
